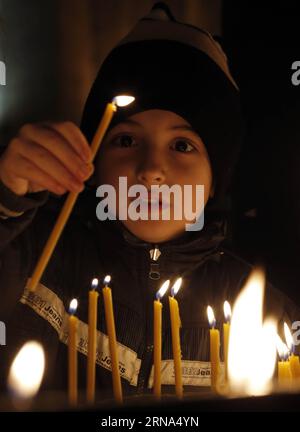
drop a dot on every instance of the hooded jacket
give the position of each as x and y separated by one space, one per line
89 248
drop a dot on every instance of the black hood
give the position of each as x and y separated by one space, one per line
175 67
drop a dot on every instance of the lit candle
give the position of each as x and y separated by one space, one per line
27 370
157 338
110 325
175 326
252 342
92 341
214 337
72 196
284 370
293 359
226 330
72 347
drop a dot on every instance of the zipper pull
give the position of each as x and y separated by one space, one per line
154 266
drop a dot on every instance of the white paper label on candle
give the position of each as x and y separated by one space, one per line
194 373
50 307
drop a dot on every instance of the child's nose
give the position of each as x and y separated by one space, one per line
151 170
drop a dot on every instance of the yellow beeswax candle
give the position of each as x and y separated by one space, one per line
175 327
72 196
72 348
157 322
283 366
294 366
226 331
92 341
214 338
293 359
284 372
111 331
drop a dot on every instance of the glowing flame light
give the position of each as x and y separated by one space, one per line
227 311
73 306
27 370
107 279
252 343
282 349
289 338
123 100
94 283
211 317
176 287
162 290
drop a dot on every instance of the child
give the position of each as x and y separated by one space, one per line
184 127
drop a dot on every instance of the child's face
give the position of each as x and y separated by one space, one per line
154 147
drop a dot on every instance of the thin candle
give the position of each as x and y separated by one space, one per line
111 331
72 348
72 196
175 327
157 307
92 340
284 370
226 332
293 359
214 338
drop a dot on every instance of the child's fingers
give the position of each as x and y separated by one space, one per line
41 158
58 146
75 137
25 169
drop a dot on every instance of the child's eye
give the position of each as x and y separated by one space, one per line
124 141
183 146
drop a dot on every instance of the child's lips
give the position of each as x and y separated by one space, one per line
153 203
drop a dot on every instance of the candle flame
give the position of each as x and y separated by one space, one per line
282 349
176 287
211 317
163 289
27 370
94 283
123 100
73 306
227 311
288 337
107 279
252 343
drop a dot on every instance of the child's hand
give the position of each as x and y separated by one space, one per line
44 156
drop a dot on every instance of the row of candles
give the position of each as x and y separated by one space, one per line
233 350
288 365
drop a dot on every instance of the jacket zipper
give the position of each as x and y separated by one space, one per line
147 359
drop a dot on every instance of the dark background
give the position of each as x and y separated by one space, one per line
53 49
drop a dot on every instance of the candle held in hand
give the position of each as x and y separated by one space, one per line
72 348
214 338
157 307
92 341
72 196
175 327
111 331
